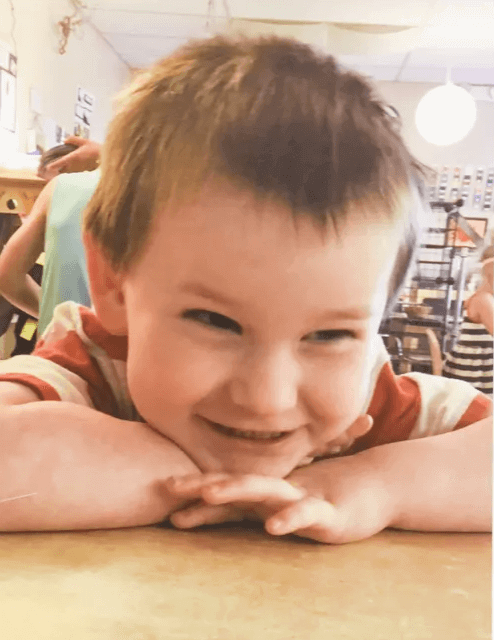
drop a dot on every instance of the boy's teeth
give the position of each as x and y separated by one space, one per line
250 435
256 434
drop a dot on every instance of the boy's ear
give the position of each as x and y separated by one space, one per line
106 288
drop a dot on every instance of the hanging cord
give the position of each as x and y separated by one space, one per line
212 14
430 13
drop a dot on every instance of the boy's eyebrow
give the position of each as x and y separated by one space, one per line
197 289
356 313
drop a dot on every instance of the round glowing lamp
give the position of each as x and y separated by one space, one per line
445 114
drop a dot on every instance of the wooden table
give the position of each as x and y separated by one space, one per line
233 584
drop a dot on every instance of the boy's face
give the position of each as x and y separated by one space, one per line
251 340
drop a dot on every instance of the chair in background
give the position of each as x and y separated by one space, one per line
416 348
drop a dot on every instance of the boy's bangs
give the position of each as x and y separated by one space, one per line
267 114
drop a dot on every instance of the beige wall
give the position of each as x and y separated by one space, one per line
476 149
89 62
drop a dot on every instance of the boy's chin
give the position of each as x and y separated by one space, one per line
262 467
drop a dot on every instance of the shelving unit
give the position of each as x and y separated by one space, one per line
448 273
434 297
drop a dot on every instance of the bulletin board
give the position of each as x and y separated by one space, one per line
474 185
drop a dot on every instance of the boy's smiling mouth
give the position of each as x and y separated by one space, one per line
260 436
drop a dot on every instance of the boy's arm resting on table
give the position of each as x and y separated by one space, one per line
87 469
436 483
432 483
451 478
20 254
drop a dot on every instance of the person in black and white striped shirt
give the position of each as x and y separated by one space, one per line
471 358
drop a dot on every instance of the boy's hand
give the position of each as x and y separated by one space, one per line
285 507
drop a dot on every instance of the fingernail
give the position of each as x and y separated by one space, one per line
276 526
215 492
179 520
337 449
296 485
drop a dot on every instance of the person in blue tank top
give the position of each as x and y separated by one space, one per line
53 226
64 272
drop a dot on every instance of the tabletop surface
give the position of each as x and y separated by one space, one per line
234 584
21 176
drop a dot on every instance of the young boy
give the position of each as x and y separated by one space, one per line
255 218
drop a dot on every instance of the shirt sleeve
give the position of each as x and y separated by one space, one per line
62 369
47 379
447 404
418 405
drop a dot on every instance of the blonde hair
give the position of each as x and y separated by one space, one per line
268 114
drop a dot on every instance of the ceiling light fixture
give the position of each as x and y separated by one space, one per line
446 114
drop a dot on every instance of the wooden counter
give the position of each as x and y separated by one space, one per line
233 584
18 191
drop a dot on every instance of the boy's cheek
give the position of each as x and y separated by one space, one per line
343 397
169 382
348 380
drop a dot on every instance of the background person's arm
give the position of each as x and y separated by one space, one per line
88 470
84 158
20 254
481 309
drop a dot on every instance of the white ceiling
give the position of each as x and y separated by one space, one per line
410 40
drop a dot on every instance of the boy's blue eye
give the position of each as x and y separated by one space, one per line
329 335
212 319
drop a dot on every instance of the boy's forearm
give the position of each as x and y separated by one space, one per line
87 469
442 483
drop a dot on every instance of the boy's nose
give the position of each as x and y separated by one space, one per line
267 384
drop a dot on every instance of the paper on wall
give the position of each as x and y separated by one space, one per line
7 100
